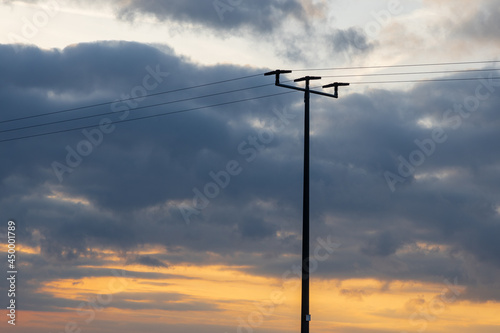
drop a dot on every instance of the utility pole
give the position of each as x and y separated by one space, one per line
305 316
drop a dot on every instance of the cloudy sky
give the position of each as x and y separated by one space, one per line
155 175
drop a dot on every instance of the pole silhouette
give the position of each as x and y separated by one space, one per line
305 316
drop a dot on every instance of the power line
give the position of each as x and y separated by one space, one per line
227 103
128 99
416 73
232 102
400 66
255 87
146 117
251 76
426 80
137 108
236 79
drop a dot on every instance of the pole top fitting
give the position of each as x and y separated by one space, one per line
307 78
277 72
336 84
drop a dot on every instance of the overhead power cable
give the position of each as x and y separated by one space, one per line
416 73
146 117
400 66
137 108
241 78
220 104
251 76
232 102
255 87
427 80
127 99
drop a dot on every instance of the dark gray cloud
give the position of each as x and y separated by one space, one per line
146 261
383 244
126 193
351 40
261 15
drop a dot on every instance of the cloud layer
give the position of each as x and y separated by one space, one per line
441 220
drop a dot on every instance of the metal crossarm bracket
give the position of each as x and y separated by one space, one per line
307 78
336 85
277 73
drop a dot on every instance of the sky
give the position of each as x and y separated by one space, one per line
154 174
